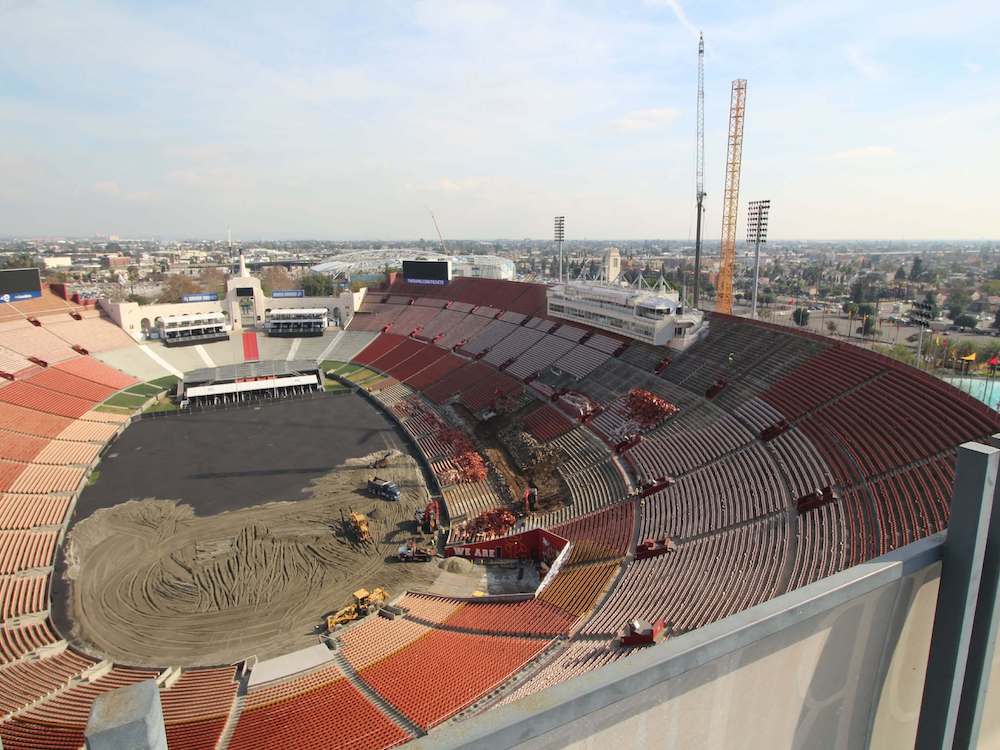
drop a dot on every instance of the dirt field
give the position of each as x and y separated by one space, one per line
153 584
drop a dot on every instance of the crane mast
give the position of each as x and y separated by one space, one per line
699 166
731 199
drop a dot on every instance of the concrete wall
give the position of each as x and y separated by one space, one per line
837 664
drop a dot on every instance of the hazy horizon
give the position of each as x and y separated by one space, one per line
352 121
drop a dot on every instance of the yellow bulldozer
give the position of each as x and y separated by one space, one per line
356 526
365 601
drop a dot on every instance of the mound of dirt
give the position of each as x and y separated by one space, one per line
151 583
456 565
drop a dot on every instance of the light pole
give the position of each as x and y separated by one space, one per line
757 234
560 235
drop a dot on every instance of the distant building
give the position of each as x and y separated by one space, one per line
612 265
655 317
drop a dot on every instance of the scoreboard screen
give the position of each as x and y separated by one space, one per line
18 284
427 271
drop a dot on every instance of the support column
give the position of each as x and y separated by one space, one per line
961 568
984 634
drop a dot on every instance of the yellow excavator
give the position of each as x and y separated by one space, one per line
365 601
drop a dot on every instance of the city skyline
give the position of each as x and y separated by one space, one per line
340 123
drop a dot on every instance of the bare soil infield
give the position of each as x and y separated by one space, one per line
150 582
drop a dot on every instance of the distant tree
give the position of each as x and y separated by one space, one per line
175 287
275 277
831 327
850 308
141 299
900 274
866 311
801 316
867 327
213 280
21 260
965 321
954 312
996 319
317 285
917 269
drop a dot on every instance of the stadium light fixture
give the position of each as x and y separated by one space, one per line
560 235
757 234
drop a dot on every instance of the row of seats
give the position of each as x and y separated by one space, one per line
604 535
576 588
313 711
701 581
23 595
16 642
24 550
739 488
457 667
578 658
686 441
594 487
546 422
59 721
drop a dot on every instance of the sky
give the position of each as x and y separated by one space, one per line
354 120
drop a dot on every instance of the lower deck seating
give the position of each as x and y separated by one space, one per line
60 720
311 712
377 638
459 666
196 707
528 617
576 588
28 511
24 682
16 642
578 658
22 595
604 535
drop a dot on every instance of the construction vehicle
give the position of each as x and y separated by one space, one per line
365 601
412 552
428 518
356 526
383 488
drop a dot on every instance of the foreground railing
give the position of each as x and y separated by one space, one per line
895 652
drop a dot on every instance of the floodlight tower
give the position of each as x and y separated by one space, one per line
730 202
560 235
757 234
699 166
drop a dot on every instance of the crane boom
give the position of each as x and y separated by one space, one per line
699 166
438 230
731 199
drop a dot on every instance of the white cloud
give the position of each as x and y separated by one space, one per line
866 152
679 13
646 119
864 64
973 67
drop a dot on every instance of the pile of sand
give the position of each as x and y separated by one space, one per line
456 565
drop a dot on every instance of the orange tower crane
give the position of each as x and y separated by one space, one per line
731 199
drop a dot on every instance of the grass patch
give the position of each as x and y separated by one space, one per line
93 476
144 389
362 375
126 400
165 383
113 409
162 405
